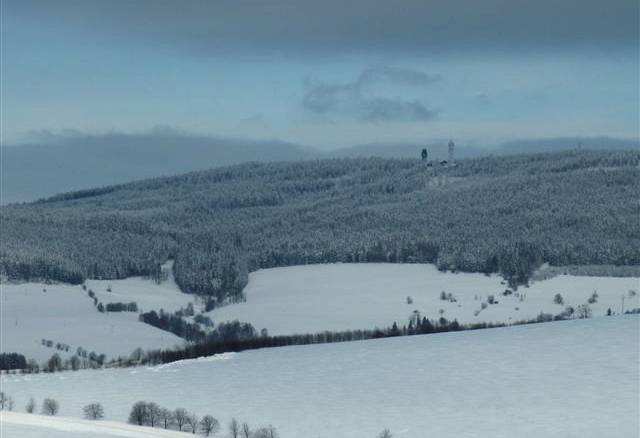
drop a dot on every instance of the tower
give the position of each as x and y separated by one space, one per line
452 146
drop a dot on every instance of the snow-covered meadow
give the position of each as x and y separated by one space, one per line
314 298
564 379
66 314
22 425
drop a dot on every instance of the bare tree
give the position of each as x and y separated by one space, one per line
50 406
246 431
192 421
3 400
93 411
234 428
266 432
30 408
209 425
153 414
138 414
583 311
385 434
54 363
166 418
180 416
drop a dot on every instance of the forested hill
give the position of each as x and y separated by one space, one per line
506 214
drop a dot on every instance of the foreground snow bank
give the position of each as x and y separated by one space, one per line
19 425
562 379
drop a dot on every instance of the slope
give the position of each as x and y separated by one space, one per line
346 296
505 215
562 379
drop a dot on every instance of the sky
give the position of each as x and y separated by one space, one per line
322 73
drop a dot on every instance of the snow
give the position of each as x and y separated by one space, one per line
67 315
314 298
148 294
14 424
564 379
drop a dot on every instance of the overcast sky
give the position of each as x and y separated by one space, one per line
325 73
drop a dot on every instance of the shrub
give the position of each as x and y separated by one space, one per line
593 298
544 317
30 408
558 299
93 411
203 319
122 307
584 311
12 361
50 406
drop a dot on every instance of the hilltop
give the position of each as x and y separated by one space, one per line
494 214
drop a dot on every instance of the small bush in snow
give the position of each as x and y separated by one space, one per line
583 311
93 411
544 317
50 406
6 402
30 408
558 299
593 298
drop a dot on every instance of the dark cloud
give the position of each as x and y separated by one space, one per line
353 99
281 26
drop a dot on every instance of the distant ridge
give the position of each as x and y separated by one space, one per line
78 161
71 162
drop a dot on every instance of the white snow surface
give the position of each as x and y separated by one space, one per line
314 298
65 314
21 425
564 379
147 294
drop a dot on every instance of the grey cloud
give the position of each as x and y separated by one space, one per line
281 26
397 74
353 100
377 110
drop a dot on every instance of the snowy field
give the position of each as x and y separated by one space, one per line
20 425
564 379
67 315
313 298
148 294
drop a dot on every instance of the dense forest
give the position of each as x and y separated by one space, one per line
492 214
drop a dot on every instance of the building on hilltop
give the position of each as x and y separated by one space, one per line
452 146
